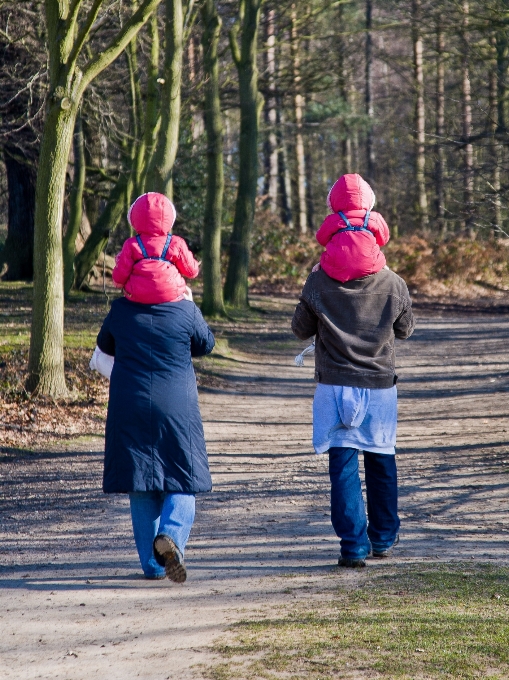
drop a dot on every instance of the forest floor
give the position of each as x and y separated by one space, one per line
264 597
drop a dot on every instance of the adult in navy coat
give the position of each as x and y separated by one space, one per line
155 446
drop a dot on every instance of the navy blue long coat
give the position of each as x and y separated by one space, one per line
154 432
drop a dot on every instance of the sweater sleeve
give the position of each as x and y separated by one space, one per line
405 323
305 321
124 265
184 259
378 227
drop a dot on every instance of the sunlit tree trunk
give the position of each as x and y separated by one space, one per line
494 145
244 56
212 303
420 119
153 99
160 172
75 206
466 113
298 104
270 116
368 96
67 82
440 127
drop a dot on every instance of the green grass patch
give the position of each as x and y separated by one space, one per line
437 622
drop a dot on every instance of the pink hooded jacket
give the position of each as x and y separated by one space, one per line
153 281
352 254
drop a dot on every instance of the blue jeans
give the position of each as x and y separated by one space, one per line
348 515
158 512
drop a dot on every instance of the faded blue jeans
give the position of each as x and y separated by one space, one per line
359 534
159 512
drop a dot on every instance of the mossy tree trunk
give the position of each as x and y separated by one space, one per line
66 38
251 102
212 303
159 176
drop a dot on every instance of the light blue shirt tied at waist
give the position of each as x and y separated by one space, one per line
354 417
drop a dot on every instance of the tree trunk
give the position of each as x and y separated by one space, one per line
270 146
46 361
346 142
18 251
468 169
298 103
284 180
76 206
494 145
66 39
110 217
160 173
368 96
236 286
440 128
420 120
152 108
212 303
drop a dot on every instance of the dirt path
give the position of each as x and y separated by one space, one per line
73 604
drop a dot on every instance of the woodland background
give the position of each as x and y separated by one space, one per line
412 95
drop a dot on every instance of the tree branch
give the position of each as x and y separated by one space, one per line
234 45
119 42
84 33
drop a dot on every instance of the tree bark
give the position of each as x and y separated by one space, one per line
18 251
212 303
346 142
284 180
368 96
244 56
270 146
160 173
420 119
298 103
468 168
115 209
494 145
76 206
67 82
440 128
153 105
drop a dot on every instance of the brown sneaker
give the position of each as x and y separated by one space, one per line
169 556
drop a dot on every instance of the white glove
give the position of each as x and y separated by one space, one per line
102 363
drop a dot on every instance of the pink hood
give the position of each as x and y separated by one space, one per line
350 192
152 214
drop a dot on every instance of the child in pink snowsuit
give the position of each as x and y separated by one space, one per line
353 234
151 265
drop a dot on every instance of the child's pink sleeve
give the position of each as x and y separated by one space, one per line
183 259
124 265
329 227
378 227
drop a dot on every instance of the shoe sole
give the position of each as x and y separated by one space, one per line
174 567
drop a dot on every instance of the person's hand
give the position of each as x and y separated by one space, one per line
316 267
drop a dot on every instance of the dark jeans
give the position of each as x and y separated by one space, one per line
348 515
